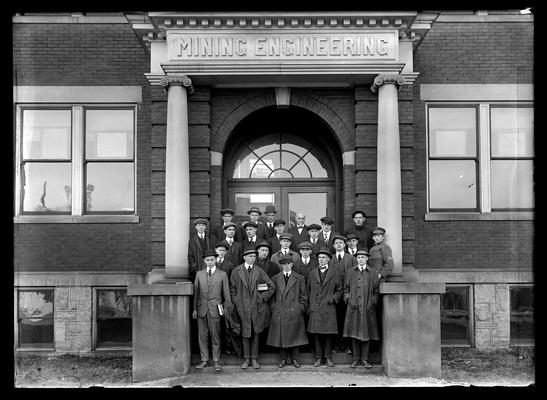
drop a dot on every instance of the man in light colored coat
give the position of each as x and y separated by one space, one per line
211 294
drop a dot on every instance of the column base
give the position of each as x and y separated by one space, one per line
158 275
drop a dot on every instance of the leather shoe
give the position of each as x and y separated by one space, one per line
296 363
282 363
317 363
245 364
218 368
366 364
256 365
355 364
330 363
201 365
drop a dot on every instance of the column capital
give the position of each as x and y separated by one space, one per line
177 80
397 80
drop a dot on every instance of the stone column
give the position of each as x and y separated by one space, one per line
389 210
177 177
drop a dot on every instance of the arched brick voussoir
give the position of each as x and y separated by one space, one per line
299 98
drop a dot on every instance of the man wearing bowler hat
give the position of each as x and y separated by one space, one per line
270 212
199 241
324 290
235 249
250 290
285 240
360 228
327 233
287 326
211 295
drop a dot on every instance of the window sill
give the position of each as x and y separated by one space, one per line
76 219
475 216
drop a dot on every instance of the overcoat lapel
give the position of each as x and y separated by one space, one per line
254 278
330 272
242 276
196 239
290 282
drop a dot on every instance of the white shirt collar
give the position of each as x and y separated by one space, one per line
325 267
306 260
248 265
212 269
287 273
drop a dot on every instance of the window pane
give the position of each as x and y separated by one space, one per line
114 326
452 184
316 168
265 144
301 170
113 303
452 132
295 148
244 202
512 131
36 318
110 187
46 187
512 183
47 134
288 160
313 205
455 315
261 170
281 173
109 134
522 314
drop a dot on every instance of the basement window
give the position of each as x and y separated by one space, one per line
35 319
113 319
455 321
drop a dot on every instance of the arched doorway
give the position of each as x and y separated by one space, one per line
283 157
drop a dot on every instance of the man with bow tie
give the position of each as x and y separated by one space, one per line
211 290
250 290
199 241
361 293
300 231
287 326
324 290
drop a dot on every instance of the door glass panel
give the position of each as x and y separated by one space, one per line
313 205
244 201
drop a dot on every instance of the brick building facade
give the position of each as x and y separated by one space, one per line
81 261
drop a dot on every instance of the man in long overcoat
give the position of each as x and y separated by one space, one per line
251 289
263 251
235 248
324 290
287 327
199 241
361 293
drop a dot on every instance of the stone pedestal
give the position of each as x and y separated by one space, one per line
161 329
411 329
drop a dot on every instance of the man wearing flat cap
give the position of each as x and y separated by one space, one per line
263 251
327 233
199 241
235 249
254 214
227 215
287 326
251 239
211 296
314 230
324 290
250 290
381 256
305 263
275 241
352 244
361 294
285 240
270 212
360 228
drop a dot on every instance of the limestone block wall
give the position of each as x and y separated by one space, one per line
73 319
492 315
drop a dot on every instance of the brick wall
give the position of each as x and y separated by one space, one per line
86 55
482 53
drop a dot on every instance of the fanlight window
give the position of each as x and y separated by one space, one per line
279 156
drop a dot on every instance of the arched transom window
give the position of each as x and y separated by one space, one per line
279 156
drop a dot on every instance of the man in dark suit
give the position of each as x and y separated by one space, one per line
286 241
327 233
250 290
211 294
305 263
313 231
360 228
251 240
270 212
199 241
263 250
235 249
300 231
352 243
254 214
275 241
227 214
223 261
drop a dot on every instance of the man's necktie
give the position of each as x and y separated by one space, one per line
339 257
286 278
209 272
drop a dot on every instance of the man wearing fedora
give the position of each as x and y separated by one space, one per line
287 326
227 215
326 235
211 295
199 241
361 293
263 251
324 290
360 228
235 249
270 212
285 240
250 290
254 213
300 231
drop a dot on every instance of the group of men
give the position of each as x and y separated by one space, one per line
310 280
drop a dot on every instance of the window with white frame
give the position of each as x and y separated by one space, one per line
76 160
480 157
